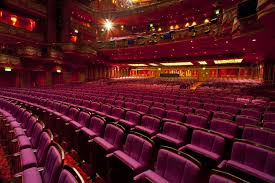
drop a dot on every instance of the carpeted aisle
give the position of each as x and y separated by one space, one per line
5 174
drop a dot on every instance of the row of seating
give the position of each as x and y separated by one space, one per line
36 158
184 146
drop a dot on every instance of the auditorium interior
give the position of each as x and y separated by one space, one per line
137 91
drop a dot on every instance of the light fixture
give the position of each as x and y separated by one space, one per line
159 69
14 20
187 25
177 26
194 23
122 27
137 65
254 40
108 25
58 70
217 11
202 62
159 29
171 27
152 64
228 61
151 25
177 63
203 68
76 31
7 69
206 21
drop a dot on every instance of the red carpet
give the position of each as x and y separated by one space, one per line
5 174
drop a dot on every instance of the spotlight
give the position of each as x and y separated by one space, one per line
58 70
108 25
76 31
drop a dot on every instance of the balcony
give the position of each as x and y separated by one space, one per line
32 7
19 34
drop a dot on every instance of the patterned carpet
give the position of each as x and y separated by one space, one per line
5 174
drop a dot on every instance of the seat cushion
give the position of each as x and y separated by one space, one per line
127 123
251 171
152 176
32 175
104 144
146 130
88 132
75 124
169 139
204 152
28 158
18 132
66 119
127 160
14 124
24 142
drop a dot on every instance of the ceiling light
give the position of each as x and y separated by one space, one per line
152 64
159 69
58 70
7 69
177 63
187 24
203 68
159 29
194 23
137 65
76 31
254 40
108 24
206 21
171 27
202 62
228 61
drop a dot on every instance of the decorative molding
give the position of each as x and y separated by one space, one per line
28 4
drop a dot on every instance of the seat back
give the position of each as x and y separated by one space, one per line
73 113
222 115
130 105
258 135
36 132
139 149
175 115
269 117
255 157
150 122
95 106
175 168
133 117
204 113
97 125
211 107
244 120
208 141
142 108
175 130
106 108
196 120
63 109
251 113
84 118
114 134
118 112
159 112
185 109
230 110
53 165
45 140
224 127
86 103
70 175
32 120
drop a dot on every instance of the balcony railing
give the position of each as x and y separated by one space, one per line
28 4
20 33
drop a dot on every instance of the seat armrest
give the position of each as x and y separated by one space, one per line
222 164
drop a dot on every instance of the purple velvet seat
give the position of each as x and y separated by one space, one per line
251 160
130 105
230 110
111 141
259 135
270 125
109 101
158 112
195 121
195 104
269 117
117 113
119 103
51 171
132 160
181 102
210 107
159 104
169 101
95 106
95 128
147 102
205 113
149 125
207 144
222 115
251 113
171 107
173 134
105 109
157 99
241 121
225 177
171 168
70 175
185 109
143 109
174 116
132 119
224 128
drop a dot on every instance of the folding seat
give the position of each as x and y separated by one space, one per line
51 170
195 105
208 145
205 113
109 101
269 117
158 104
168 101
134 158
218 176
257 107
137 101
132 118
94 98
219 102
195 99
181 102
222 115
100 99
230 110
72 115
242 121
185 109
149 98
251 113
210 107
224 128
143 109
269 125
86 103
259 135
20 130
172 166
158 99
158 112
130 105
105 109
173 134
70 175
256 163
70 100
172 115
171 107
195 121
78 102
119 97
102 146
94 107
95 128
117 113
119 103
128 99
147 102
149 125
27 158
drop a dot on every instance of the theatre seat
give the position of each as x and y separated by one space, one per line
132 118
195 121
226 129
149 125
174 116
